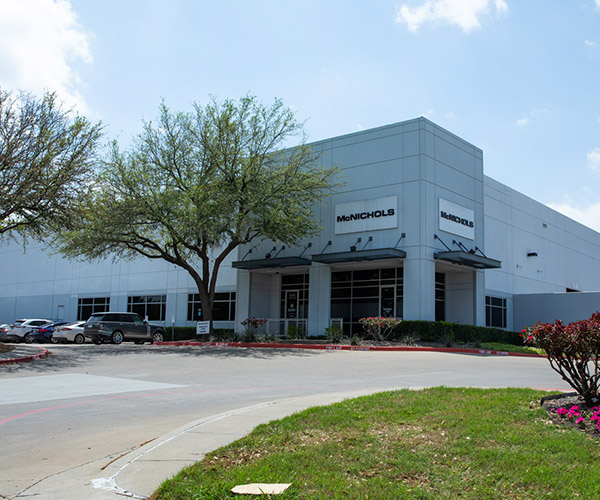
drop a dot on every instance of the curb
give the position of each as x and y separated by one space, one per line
330 347
26 359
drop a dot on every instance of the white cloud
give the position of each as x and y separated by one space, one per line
40 41
593 159
538 114
466 14
522 122
591 43
588 215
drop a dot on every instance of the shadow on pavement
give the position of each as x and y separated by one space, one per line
75 356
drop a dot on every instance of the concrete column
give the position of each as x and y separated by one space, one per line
460 294
319 298
479 297
419 286
242 298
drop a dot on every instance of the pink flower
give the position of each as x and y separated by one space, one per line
579 420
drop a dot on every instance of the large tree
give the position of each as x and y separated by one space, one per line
196 185
47 158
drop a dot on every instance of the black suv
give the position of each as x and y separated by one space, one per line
115 327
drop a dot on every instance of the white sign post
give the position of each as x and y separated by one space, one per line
202 328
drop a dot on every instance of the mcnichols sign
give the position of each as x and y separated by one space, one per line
366 215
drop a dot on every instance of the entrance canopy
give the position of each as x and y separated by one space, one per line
271 263
468 259
360 255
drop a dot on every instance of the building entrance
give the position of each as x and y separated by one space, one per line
291 304
387 301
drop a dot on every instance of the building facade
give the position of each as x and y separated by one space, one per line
416 231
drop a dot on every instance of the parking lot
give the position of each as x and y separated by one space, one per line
91 403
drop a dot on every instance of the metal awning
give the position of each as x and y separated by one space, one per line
270 263
360 255
468 259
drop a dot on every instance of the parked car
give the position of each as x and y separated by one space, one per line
23 330
116 327
46 332
71 332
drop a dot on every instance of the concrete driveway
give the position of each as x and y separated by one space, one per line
70 424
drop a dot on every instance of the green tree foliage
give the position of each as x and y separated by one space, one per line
196 185
47 158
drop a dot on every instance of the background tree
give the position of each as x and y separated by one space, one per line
197 185
47 158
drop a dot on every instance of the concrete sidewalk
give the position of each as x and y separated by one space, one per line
137 473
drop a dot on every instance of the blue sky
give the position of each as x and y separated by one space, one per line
519 79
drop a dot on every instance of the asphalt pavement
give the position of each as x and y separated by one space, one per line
137 472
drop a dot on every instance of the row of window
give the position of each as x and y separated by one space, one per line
350 300
154 307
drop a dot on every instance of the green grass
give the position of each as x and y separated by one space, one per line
497 346
433 444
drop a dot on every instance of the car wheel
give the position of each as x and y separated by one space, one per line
116 337
28 339
157 337
97 341
79 339
53 340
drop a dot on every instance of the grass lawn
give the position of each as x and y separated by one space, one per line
496 346
437 443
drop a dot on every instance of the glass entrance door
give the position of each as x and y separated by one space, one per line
387 301
291 304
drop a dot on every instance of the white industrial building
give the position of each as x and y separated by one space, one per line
416 231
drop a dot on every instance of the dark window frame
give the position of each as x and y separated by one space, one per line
225 310
147 306
88 306
495 311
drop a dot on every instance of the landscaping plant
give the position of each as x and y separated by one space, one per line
572 351
252 325
380 328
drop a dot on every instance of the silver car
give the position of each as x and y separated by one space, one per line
73 332
116 327
21 329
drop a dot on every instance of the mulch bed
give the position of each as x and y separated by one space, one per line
568 400
6 348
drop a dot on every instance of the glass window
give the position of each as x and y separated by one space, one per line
87 306
495 312
152 307
223 307
365 292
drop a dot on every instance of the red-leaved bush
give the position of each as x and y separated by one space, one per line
572 351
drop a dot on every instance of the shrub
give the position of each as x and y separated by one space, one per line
294 332
572 351
253 324
442 331
380 328
334 334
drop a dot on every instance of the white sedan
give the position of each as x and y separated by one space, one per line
73 332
